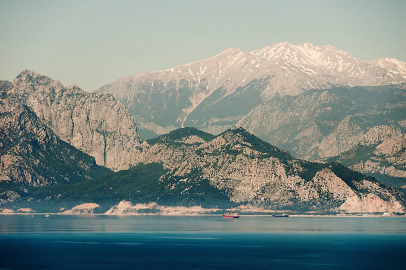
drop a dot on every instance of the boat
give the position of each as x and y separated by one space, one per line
283 215
233 215
46 216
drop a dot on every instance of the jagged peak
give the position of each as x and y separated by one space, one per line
28 72
242 136
29 76
237 129
307 49
34 78
234 131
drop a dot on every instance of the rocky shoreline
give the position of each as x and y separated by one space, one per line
126 208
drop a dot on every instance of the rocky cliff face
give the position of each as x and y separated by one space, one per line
252 171
92 122
31 154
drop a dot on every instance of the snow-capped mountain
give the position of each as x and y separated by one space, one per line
163 100
316 66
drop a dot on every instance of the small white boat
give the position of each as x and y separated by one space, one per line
47 216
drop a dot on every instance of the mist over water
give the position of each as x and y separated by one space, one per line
201 242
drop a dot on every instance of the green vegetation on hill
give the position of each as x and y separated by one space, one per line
261 146
179 134
143 183
195 183
139 184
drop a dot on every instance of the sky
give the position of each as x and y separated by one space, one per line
93 43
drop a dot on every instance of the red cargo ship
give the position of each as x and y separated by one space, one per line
234 215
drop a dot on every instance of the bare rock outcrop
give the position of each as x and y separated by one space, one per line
82 209
92 122
32 154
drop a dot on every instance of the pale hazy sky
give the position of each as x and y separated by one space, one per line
93 43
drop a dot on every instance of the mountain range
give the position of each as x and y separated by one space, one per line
318 103
190 168
173 98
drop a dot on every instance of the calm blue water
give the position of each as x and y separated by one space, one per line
204 242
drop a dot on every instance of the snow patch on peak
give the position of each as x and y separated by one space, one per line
393 65
385 60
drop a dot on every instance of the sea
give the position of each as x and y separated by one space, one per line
201 242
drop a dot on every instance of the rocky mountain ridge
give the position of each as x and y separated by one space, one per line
364 126
92 122
190 168
252 171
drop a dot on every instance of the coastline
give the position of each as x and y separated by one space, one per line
205 214
126 208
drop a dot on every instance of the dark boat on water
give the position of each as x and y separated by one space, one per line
283 215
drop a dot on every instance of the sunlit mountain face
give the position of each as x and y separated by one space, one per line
314 101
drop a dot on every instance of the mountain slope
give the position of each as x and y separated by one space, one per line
142 184
380 153
31 153
324 123
94 123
